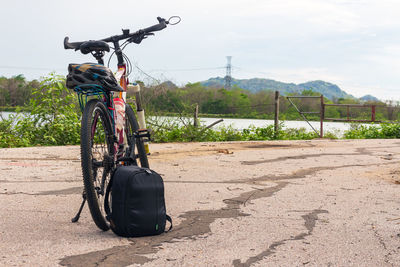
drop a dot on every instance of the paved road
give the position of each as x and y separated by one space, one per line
284 203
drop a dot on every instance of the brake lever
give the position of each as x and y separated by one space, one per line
140 38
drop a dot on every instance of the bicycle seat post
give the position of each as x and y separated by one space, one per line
99 56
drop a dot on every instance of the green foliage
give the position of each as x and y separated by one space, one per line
8 134
297 134
189 133
214 100
238 103
384 130
55 116
53 120
15 91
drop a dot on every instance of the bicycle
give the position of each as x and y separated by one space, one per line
110 132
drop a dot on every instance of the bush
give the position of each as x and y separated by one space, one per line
189 133
53 121
384 130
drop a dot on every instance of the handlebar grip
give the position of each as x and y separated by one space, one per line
154 28
158 27
68 45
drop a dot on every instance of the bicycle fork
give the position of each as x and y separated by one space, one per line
143 132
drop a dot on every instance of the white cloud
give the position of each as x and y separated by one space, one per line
353 43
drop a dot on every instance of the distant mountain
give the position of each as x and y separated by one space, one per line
369 98
168 85
329 90
254 85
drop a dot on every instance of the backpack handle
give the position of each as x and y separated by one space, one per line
106 203
170 221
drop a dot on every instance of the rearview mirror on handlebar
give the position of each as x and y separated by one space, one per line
174 20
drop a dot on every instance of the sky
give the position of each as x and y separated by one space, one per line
354 44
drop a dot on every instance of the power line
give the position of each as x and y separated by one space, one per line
228 67
250 71
148 75
192 69
31 68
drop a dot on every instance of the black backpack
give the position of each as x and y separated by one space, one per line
137 200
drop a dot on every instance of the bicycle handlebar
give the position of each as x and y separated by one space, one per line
162 24
68 45
134 37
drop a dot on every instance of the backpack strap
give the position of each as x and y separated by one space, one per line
170 221
107 195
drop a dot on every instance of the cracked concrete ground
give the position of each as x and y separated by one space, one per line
272 203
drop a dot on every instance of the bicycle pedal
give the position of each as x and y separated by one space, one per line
141 133
127 159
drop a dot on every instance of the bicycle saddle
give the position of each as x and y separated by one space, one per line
94 46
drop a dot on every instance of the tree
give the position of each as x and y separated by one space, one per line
16 91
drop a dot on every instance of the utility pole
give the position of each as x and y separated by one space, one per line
228 77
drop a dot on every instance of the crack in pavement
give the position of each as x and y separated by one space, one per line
255 162
258 180
295 175
309 222
304 172
200 219
49 159
360 151
68 191
40 181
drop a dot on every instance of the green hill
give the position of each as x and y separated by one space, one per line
329 90
369 98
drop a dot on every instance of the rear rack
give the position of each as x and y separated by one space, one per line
86 90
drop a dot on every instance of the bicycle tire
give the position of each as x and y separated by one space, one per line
97 157
138 149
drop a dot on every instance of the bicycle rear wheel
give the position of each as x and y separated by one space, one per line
136 148
97 157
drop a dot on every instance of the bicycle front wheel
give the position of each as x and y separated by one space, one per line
97 157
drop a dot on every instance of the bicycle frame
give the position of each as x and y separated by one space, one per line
119 114
119 102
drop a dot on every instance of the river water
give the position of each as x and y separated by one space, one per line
335 127
338 128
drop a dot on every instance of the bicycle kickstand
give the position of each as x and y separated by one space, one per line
76 218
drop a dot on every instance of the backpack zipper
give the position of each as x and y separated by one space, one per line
156 208
127 206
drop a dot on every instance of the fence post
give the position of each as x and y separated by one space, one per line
373 113
322 115
196 116
276 125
